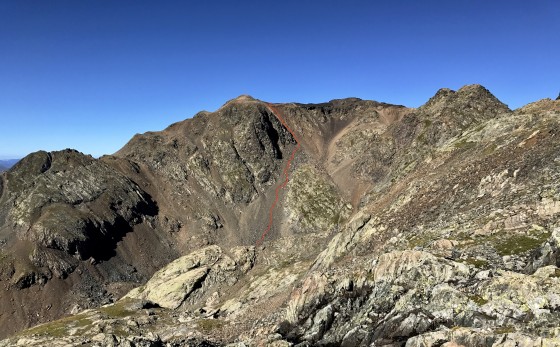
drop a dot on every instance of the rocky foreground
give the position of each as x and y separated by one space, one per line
436 226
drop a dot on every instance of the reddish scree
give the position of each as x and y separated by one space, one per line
277 114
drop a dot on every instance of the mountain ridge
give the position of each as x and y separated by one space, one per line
449 186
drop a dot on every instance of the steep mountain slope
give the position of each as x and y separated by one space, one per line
63 215
92 229
205 165
426 227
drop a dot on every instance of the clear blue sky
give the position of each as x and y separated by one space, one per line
89 74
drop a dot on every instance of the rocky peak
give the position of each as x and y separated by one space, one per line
241 101
244 98
540 106
441 94
471 100
477 90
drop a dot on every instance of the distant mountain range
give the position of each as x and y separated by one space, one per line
7 163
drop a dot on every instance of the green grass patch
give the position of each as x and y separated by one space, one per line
508 243
477 299
60 327
490 149
120 331
478 263
421 137
284 264
504 330
421 240
209 325
479 128
117 310
517 244
464 144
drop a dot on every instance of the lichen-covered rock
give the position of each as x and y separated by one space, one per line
313 201
479 337
70 202
512 298
408 294
547 254
392 298
198 271
64 206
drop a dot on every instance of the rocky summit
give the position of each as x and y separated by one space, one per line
346 223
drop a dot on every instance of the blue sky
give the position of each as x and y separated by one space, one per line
90 74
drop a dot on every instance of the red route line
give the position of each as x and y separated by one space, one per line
277 114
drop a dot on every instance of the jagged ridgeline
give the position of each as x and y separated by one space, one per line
429 226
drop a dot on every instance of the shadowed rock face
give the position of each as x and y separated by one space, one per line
73 203
398 226
233 155
62 212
